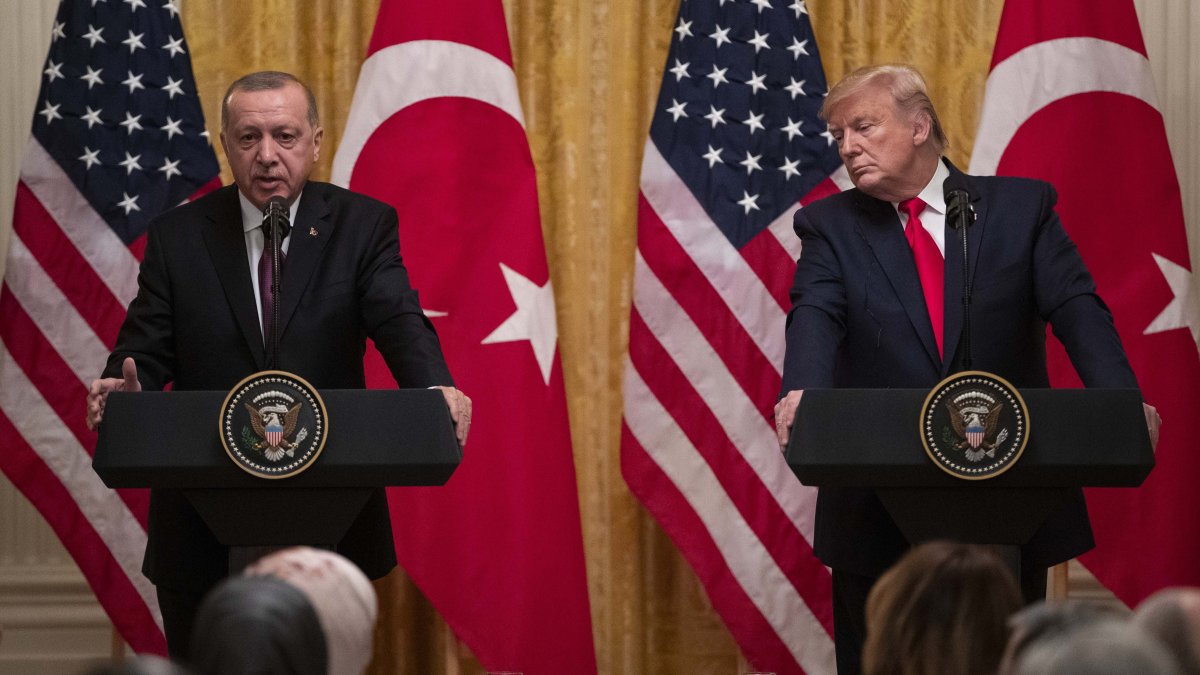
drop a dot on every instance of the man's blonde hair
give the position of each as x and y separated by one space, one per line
906 86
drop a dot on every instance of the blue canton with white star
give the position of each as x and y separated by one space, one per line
737 112
118 110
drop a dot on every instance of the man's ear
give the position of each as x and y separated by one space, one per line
922 128
318 134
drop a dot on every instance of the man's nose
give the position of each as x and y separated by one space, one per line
848 147
267 152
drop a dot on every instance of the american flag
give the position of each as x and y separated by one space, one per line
735 147
118 136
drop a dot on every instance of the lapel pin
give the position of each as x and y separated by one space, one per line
312 231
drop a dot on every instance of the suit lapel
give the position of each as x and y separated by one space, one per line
310 232
226 243
880 227
953 326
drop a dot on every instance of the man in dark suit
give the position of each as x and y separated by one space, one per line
198 320
877 302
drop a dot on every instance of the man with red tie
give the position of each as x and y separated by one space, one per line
877 302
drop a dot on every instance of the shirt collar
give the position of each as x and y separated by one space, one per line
252 217
934 194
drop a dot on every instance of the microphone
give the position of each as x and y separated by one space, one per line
959 210
275 227
275 218
961 214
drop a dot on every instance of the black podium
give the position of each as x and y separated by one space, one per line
375 439
871 438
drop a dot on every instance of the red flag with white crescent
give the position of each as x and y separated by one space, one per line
1070 99
436 130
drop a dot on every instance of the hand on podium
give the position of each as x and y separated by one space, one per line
98 392
785 415
460 411
1153 422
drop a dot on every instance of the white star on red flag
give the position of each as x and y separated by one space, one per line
1184 309
533 319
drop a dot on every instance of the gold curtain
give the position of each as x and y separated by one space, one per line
588 72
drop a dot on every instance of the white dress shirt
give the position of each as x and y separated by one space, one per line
933 218
256 241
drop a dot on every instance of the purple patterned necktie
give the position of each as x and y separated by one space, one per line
266 275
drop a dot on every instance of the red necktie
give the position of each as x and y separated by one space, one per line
930 266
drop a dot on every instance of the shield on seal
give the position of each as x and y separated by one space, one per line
274 434
975 435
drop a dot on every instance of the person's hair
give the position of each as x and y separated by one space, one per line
265 80
144 664
1105 648
260 625
906 86
944 609
1050 622
1165 615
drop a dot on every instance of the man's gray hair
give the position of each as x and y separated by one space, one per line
1104 648
1173 616
906 86
265 80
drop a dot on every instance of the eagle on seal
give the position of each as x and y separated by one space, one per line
273 431
976 425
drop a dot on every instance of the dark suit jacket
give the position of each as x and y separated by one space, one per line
194 324
859 319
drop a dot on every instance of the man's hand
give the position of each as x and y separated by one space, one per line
785 414
460 411
98 392
1153 422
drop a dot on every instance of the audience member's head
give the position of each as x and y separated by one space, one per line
1054 621
942 609
1173 616
1107 647
340 594
139 665
257 626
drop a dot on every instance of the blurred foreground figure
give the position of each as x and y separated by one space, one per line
257 626
944 608
1088 638
340 594
1173 616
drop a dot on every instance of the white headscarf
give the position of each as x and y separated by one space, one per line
342 596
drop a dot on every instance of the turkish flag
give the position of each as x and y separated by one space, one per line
1070 99
436 130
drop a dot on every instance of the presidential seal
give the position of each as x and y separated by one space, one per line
273 424
974 425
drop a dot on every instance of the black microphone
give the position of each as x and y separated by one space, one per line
275 218
959 209
961 214
275 227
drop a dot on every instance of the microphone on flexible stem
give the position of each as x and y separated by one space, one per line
960 214
275 228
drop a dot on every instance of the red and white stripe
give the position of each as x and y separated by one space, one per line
698 445
67 282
